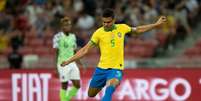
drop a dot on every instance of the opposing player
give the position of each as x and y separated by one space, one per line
110 40
65 44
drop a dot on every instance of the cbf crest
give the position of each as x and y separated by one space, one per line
119 34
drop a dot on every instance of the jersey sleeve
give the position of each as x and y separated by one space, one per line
126 28
56 41
95 38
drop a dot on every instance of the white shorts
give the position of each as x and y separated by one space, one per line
69 72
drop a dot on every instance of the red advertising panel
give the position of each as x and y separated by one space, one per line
137 85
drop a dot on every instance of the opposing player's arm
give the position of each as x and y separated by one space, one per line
56 51
57 54
144 28
83 51
56 58
56 73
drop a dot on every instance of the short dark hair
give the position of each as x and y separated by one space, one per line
108 12
65 20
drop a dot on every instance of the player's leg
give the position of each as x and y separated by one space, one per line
92 92
111 86
63 91
73 90
97 82
113 80
76 83
64 77
75 78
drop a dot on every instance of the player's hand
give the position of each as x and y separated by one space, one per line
161 20
64 63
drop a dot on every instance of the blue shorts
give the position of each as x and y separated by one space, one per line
101 76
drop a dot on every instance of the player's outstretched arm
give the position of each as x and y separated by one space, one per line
83 51
144 28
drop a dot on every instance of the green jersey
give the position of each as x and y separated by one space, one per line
66 44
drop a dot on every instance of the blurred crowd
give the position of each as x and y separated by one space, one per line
24 20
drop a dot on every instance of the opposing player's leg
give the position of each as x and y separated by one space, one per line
64 77
75 78
76 83
63 89
113 80
73 90
97 82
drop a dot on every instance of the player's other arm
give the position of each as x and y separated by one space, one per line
83 51
56 58
144 28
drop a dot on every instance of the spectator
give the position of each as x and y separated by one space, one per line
90 6
85 21
15 59
17 40
192 7
5 21
78 5
181 15
21 23
33 17
31 12
169 29
4 40
2 5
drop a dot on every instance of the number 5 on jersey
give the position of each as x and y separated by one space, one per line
112 43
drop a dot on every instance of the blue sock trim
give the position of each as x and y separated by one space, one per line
108 93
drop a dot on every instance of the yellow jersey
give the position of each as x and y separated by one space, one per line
111 44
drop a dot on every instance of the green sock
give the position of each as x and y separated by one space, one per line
63 95
71 93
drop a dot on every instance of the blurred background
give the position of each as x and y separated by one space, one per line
28 26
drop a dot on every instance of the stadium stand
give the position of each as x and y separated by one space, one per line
37 31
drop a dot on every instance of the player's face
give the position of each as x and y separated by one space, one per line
67 27
108 22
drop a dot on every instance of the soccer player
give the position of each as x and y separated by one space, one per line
110 40
65 44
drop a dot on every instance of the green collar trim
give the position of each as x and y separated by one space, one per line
93 43
110 29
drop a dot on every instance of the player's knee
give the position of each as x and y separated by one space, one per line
113 82
64 85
